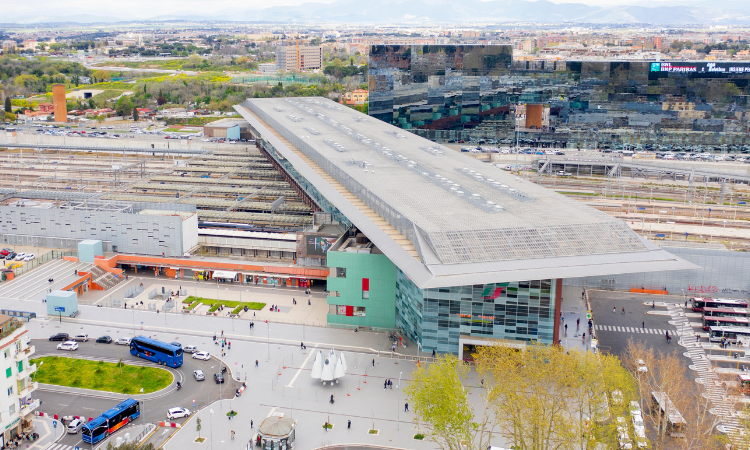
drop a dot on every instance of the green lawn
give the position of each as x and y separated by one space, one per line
238 306
100 375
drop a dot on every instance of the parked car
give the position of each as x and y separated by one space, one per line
199 375
60 337
20 256
205 356
81 337
189 349
177 413
5 252
70 346
75 426
10 256
29 257
219 378
123 341
104 340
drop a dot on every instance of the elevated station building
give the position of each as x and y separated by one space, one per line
440 245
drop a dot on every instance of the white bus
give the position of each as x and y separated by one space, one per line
661 403
732 334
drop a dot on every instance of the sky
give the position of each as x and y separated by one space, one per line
149 8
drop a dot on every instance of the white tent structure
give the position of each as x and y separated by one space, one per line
328 368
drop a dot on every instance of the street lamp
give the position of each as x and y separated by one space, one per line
211 425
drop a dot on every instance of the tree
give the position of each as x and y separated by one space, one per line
100 75
545 398
124 106
8 105
135 114
161 100
100 118
198 426
441 407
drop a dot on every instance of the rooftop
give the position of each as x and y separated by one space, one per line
469 222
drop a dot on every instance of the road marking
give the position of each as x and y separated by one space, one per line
291 383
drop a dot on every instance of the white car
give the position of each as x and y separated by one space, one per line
20 256
70 346
29 257
177 413
189 349
202 355
123 341
81 337
642 366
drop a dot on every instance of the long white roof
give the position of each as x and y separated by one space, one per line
470 222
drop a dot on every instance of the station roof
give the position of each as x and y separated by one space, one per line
470 222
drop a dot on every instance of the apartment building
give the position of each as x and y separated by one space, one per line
17 386
299 58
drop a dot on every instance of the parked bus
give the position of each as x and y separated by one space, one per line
156 351
732 334
719 321
663 406
726 312
700 302
111 421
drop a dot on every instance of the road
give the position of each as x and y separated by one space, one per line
155 406
630 324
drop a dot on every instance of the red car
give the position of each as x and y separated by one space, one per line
5 251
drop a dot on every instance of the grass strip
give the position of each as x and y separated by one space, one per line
100 375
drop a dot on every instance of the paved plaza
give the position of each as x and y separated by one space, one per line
281 384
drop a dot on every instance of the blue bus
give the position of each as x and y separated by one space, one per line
156 351
111 421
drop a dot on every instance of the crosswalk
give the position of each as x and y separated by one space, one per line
634 330
56 446
723 406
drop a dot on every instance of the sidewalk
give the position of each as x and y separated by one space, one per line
573 309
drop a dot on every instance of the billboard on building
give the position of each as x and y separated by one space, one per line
314 245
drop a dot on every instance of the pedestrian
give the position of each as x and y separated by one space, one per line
578 322
697 338
643 325
229 346
326 424
256 363
685 303
251 423
232 432
433 352
385 384
566 329
583 338
348 424
390 384
406 407
222 333
373 362
614 309
308 302
623 310
301 345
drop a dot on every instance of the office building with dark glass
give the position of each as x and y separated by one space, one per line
454 93
452 251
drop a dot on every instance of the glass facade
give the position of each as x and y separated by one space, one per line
459 93
437 318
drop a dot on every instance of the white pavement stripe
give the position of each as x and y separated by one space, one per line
302 366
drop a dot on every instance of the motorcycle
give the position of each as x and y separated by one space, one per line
179 386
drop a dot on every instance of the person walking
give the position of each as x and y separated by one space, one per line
385 384
348 424
406 407
251 423
643 325
301 345
433 352
697 338
326 426
222 333
614 309
578 322
583 338
256 363
373 362
566 329
232 434
623 310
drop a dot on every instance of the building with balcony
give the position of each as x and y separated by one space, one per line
17 404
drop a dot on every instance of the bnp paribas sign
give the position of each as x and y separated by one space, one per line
700 67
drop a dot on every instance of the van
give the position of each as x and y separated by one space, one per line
75 426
